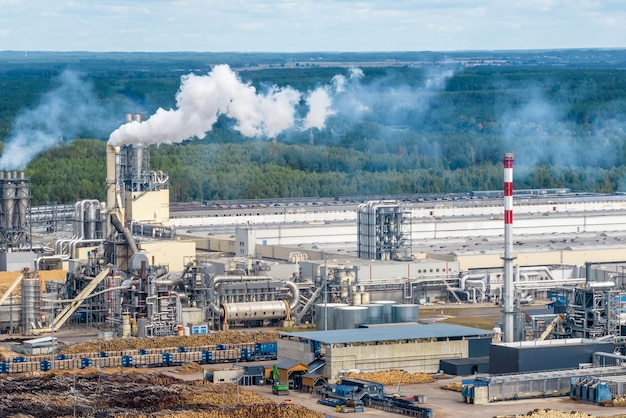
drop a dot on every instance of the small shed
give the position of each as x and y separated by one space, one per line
464 366
38 346
310 380
288 368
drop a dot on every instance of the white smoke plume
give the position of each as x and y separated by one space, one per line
67 111
202 99
320 103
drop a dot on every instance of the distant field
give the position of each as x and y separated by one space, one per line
478 317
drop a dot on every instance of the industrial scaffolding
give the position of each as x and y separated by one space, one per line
384 231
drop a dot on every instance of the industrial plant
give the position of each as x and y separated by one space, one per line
348 275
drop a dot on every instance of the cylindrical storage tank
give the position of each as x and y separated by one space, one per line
325 315
387 304
365 298
30 303
374 313
356 298
349 317
142 327
126 332
255 311
406 312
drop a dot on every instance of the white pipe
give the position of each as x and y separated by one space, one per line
49 257
483 276
74 243
481 283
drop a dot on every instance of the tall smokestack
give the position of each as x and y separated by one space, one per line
508 303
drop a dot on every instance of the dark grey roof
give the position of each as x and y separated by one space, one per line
397 332
288 363
539 312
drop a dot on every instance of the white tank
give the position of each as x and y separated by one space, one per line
255 311
374 313
325 315
365 298
387 304
406 312
348 317
356 298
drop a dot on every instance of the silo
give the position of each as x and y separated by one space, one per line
387 304
348 317
365 298
30 303
374 313
406 312
325 315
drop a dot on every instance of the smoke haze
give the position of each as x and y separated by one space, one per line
202 99
62 114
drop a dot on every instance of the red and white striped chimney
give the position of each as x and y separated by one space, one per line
509 291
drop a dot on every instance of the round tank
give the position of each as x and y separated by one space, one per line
374 313
356 298
350 316
323 311
365 298
255 311
30 305
387 304
406 312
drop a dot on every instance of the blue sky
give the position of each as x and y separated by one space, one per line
310 25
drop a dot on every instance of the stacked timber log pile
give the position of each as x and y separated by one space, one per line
133 394
552 413
222 337
391 377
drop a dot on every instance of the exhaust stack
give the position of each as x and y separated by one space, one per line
508 304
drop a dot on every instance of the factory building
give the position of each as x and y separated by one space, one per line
409 347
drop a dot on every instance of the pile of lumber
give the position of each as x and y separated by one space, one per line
133 394
121 344
553 413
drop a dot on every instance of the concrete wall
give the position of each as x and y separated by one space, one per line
295 350
151 207
17 261
412 357
171 253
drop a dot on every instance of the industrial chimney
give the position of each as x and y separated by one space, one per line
508 304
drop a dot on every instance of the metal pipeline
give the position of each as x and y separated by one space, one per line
295 292
123 230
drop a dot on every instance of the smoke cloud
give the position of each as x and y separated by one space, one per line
71 109
202 99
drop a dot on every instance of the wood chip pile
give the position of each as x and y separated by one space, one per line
453 386
222 337
133 394
392 377
553 413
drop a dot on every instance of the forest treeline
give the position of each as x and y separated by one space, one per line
565 123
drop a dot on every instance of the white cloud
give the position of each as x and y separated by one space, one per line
308 25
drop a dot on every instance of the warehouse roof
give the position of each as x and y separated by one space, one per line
391 333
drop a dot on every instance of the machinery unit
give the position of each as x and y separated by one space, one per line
384 231
15 230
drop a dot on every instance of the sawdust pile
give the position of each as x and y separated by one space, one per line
453 386
133 394
189 368
392 377
222 337
552 413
